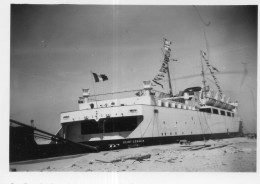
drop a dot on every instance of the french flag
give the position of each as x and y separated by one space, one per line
100 77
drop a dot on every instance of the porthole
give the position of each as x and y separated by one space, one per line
91 105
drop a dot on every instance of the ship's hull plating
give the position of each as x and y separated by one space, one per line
158 125
149 141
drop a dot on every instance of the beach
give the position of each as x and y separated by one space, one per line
222 155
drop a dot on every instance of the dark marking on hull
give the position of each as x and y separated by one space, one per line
138 142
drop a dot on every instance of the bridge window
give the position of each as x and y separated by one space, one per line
208 110
223 113
215 111
228 114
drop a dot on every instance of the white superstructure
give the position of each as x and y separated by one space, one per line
151 118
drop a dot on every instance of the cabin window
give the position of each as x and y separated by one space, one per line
215 111
106 125
228 114
208 110
223 113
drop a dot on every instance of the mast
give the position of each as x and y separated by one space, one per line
167 55
169 79
202 72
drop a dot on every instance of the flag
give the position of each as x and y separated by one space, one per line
157 83
166 59
167 42
158 78
174 60
160 75
164 65
167 49
214 68
167 54
164 70
203 54
100 77
228 100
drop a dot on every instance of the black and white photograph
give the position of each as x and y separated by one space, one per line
129 88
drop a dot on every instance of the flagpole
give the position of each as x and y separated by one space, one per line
202 72
167 59
169 78
91 74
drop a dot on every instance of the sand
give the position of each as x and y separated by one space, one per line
238 155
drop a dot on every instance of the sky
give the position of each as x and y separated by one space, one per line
54 48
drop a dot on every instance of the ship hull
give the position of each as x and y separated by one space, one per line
156 124
150 141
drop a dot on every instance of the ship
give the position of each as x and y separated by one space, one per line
151 117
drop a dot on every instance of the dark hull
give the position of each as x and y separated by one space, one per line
23 146
138 142
34 151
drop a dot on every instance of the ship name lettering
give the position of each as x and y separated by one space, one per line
137 141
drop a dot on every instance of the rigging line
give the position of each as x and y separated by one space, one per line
213 136
206 24
42 137
154 120
153 128
207 44
92 80
199 114
157 126
206 122
198 75
116 92
147 126
175 87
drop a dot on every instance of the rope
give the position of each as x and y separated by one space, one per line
206 24
115 92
